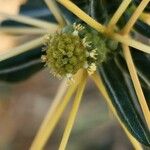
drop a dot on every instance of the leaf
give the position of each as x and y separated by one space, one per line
146 91
112 6
145 82
122 94
21 66
142 62
98 11
142 28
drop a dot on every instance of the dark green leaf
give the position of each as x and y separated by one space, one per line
146 91
121 92
143 73
142 62
112 6
98 11
22 66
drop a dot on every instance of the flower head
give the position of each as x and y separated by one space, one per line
74 48
65 54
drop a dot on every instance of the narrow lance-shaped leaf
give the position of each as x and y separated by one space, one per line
22 66
111 6
98 11
145 82
123 101
142 62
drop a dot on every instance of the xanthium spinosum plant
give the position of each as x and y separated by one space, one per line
94 39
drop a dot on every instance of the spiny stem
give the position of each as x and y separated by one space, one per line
56 11
131 42
42 137
98 81
100 28
135 16
23 30
145 17
136 84
23 48
60 93
30 21
73 114
82 15
121 9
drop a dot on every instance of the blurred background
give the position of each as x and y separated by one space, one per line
23 106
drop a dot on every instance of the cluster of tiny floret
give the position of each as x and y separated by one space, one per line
67 52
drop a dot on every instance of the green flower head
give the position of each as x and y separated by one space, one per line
65 54
74 48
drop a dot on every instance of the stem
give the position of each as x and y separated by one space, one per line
135 16
98 81
23 30
23 48
145 17
30 21
60 93
42 136
123 6
136 84
73 114
82 15
56 11
131 42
